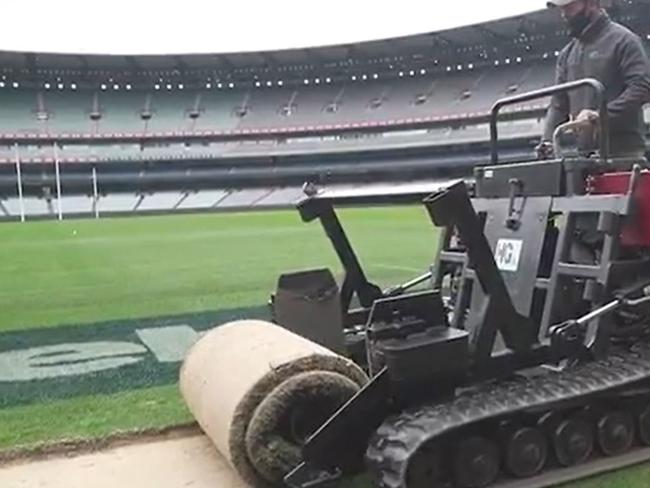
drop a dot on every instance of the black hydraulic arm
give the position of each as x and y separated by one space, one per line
356 279
595 85
452 207
573 334
322 206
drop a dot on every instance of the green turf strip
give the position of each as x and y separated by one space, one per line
92 417
637 477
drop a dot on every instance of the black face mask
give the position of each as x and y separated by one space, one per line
578 23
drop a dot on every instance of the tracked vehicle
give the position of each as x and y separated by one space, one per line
535 359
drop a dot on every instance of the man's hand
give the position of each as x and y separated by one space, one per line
544 150
587 119
587 128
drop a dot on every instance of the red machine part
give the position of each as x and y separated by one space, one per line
636 232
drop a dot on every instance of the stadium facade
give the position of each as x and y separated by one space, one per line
129 134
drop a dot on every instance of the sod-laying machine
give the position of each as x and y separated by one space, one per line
523 351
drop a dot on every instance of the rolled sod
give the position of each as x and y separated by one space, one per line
258 390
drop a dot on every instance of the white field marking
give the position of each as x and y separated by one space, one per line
71 359
169 344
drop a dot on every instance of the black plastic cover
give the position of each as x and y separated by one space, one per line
437 352
538 178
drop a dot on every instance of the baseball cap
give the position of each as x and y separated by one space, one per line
559 3
564 3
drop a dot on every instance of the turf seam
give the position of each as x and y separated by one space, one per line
75 447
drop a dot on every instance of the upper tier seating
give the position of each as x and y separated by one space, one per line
458 94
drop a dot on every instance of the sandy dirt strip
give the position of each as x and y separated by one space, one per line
189 461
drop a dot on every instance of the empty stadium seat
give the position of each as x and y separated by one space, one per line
110 111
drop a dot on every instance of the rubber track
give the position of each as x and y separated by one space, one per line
399 437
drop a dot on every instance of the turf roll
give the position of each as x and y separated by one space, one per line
258 390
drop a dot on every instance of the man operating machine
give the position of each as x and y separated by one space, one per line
610 53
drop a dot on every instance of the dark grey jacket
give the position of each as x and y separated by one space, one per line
614 55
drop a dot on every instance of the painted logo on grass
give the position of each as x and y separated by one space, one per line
61 362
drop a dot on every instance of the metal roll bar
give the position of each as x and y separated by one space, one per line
594 84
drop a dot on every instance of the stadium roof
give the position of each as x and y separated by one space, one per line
489 34
134 27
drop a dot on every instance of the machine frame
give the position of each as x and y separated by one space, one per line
507 310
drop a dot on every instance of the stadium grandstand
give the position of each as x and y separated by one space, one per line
109 134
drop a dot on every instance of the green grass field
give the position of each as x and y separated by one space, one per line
83 271
86 270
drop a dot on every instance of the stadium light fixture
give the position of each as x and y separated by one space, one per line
364 77
518 59
545 56
280 83
103 87
16 84
128 87
47 86
557 53
2 84
448 69
401 74
496 62
258 84
208 86
116 87
306 81
507 60
181 86
423 71
470 66
220 85
412 73
328 80
354 77
73 86
61 86
231 85
459 67
156 86
169 86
